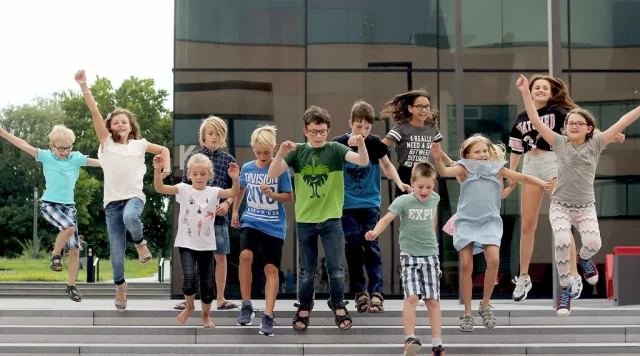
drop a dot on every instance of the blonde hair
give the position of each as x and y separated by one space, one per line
217 125
200 159
496 151
423 170
264 136
61 132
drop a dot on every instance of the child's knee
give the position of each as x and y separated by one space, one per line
74 252
493 261
411 301
70 230
466 264
432 304
270 270
246 256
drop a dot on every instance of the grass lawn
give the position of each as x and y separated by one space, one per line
30 270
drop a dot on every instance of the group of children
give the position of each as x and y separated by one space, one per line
337 194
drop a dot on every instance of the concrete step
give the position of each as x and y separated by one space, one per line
394 349
133 317
98 294
53 285
82 289
314 335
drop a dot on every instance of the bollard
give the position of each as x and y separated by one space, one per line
90 273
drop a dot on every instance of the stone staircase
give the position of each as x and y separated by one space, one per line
88 290
149 328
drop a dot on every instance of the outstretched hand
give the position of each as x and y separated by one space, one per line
158 161
234 171
287 147
436 151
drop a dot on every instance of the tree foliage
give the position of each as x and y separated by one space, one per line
19 172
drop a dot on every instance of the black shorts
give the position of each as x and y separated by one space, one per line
257 241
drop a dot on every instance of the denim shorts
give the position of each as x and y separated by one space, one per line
222 240
543 166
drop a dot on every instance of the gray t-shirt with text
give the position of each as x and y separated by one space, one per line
577 166
413 143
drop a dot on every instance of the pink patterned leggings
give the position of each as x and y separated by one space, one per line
585 219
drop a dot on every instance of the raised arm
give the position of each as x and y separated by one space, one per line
523 84
20 143
159 186
234 173
612 132
278 166
436 152
362 157
380 227
98 121
166 157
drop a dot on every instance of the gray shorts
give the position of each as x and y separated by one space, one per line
543 166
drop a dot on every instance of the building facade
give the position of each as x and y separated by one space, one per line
254 62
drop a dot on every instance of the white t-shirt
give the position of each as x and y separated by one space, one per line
197 214
124 169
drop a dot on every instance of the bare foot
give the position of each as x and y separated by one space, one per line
206 320
302 314
184 316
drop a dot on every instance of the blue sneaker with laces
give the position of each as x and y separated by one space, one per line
266 325
246 314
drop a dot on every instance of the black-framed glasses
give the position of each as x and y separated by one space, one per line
318 132
62 149
422 107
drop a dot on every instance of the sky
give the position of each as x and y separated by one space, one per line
44 42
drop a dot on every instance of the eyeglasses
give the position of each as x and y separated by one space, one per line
576 124
317 132
422 107
62 149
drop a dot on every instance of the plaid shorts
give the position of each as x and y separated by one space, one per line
62 216
420 276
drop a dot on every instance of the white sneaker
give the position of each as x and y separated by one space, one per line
523 286
576 287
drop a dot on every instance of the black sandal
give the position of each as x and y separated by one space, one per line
362 302
340 319
376 306
301 319
74 294
55 266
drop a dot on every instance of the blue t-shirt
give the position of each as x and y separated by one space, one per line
362 184
60 175
263 213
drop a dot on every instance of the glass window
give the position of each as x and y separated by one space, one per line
505 34
352 33
603 34
208 32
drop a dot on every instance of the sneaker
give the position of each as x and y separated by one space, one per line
246 314
589 270
523 286
411 346
576 287
488 319
266 325
467 323
564 303
437 351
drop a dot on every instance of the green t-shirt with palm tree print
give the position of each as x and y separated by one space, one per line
319 181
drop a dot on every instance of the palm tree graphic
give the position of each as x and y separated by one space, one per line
315 176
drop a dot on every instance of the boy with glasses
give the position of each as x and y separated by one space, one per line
61 168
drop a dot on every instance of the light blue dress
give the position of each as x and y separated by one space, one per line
478 219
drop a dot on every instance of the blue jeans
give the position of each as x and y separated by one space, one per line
330 233
123 216
360 253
